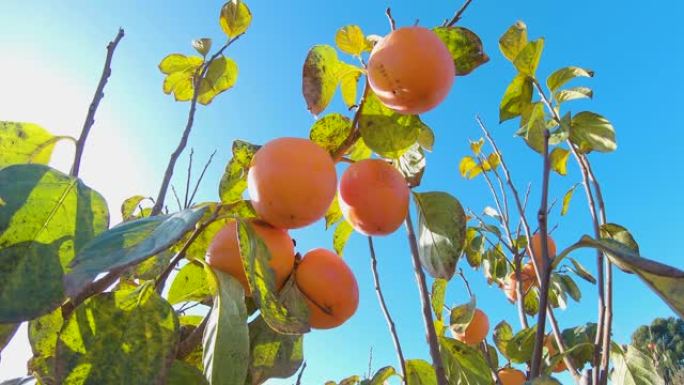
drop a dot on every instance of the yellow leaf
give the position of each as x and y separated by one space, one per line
235 18
349 78
469 168
350 40
477 146
177 62
559 160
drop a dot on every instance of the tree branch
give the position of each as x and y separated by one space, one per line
393 24
356 133
388 317
457 15
431 335
99 94
199 180
190 342
159 204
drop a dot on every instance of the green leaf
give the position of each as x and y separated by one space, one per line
438 295
580 343
341 235
112 335
30 380
567 197
202 46
503 334
350 39
527 60
226 337
331 131
382 375
190 284
235 18
334 213
592 132
287 313
128 244
349 76
620 234
182 373
188 324
234 180
426 138
570 286
513 40
320 77
360 151
563 75
573 93
559 160
581 271
464 364
129 206
25 143
519 348
150 268
632 367
273 355
532 126
474 247
419 372
180 71
461 316
465 47
42 334
441 232
386 132
46 218
221 76
517 97
412 165
531 301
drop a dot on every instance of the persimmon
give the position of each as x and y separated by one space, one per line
536 245
329 287
373 196
291 182
529 278
550 345
411 70
476 331
224 252
510 376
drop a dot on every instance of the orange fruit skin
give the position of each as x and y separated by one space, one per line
510 376
327 283
291 182
373 197
529 278
411 70
224 252
551 347
536 245
476 331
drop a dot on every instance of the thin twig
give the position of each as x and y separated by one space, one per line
356 133
301 372
393 24
526 227
465 282
519 290
99 94
159 284
383 305
188 128
95 287
370 363
175 196
187 180
458 14
199 180
431 334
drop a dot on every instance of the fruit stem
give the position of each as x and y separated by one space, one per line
99 94
355 134
393 24
381 299
431 334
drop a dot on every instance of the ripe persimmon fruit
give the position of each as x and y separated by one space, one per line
510 376
329 287
291 182
224 252
476 331
536 245
550 345
373 197
411 70
529 278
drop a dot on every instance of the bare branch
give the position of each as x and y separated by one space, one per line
431 335
186 346
356 133
199 180
393 24
458 14
388 317
99 94
175 195
187 180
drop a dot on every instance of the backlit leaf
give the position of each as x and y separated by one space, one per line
632 367
465 48
559 160
234 180
563 75
438 296
567 197
182 373
221 76
469 167
350 39
349 76
341 235
334 213
320 77
412 165
461 316
273 355
464 364
25 143
235 18
517 97
331 131
419 372
503 333
591 131
573 93
528 58
513 40
42 335
190 284
519 348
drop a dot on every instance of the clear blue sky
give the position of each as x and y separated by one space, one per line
51 58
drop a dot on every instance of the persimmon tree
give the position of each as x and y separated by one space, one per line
109 304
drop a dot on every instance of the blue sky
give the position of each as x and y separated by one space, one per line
51 58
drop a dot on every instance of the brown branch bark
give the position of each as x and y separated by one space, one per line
356 133
99 94
383 305
186 346
457 16
431 334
